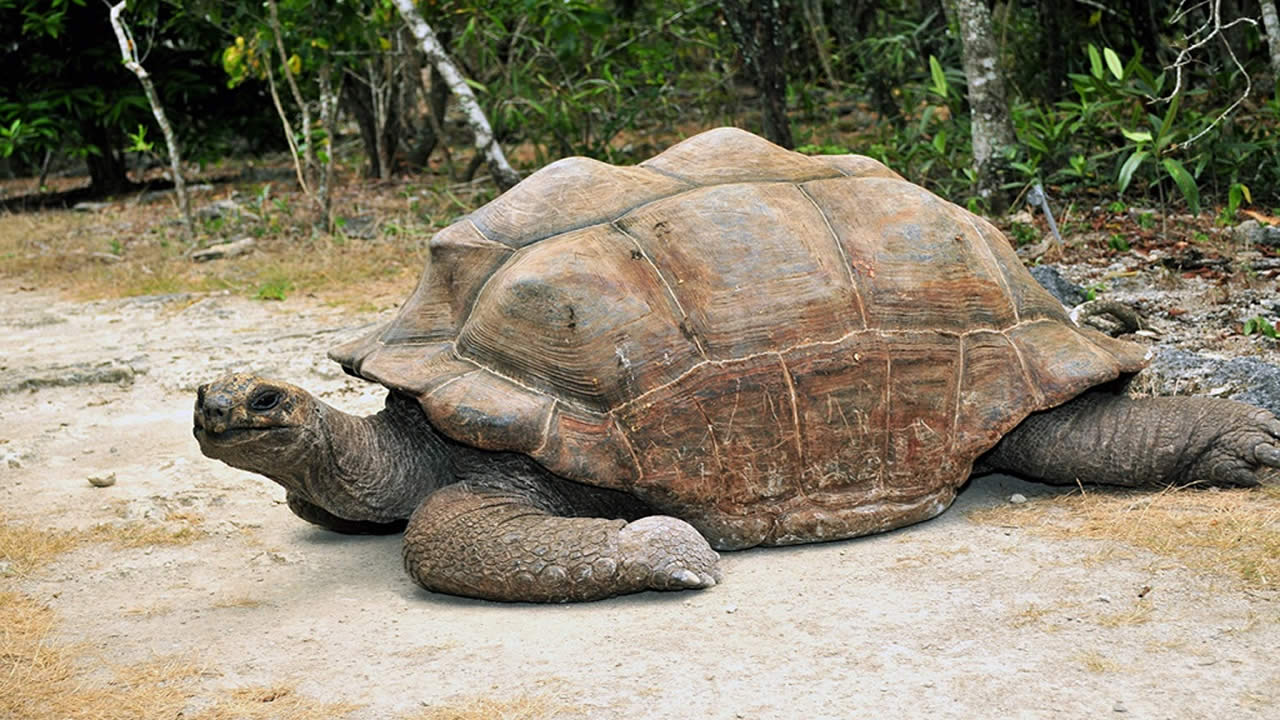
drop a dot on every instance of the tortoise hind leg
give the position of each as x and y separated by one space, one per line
524 535
1142 442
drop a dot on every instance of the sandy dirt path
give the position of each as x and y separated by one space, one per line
949 619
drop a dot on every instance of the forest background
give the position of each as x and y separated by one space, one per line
1164 105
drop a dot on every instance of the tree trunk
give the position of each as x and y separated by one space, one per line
1272 23
308 154
992 130
106 168
129 53
757 26
1053 54
485 142
432 130
378 123
328 125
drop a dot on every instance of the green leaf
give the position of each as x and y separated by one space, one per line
1113 63
939 78
1260 325
1138 136
1244 189
1166 124
1186 183
1237 195
940 142
1095 62
1129 167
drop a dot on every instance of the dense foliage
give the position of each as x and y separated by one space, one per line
1096 101
65 90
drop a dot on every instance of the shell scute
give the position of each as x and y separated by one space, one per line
754 266
567 195
917 260
581 316
730 155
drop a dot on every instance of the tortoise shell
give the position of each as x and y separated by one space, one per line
775 347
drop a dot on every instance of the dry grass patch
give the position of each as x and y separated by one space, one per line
176 529
237 601
40 680
24 548
1032 615
132 248
1232 531
1096 662
276 702
1138 614
527 707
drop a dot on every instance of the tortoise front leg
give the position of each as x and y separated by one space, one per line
520 541
1142 442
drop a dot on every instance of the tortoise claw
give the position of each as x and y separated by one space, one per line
1268 455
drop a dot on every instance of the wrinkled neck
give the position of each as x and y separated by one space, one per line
376 468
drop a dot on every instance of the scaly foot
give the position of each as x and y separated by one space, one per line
665 553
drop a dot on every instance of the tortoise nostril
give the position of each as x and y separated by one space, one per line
216 407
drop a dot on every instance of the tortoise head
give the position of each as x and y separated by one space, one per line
256 424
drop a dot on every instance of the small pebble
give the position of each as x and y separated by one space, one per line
1119 707
1017 498
102 480
731 609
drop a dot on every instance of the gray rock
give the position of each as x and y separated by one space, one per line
38 318
1179 372
217 209
1254 232
364 227
1051 279
224 250
85 373
90 206
145 300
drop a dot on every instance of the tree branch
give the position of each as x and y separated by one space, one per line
129 53
485 142
1211 28
308 154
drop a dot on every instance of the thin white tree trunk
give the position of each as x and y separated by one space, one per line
308 153
502 172
992 129
329 95
379 102
1272 23
288 130
129 53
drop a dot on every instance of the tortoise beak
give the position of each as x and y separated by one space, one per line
212 411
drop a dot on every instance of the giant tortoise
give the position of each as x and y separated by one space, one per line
607 372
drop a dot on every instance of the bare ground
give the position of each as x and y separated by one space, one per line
199 569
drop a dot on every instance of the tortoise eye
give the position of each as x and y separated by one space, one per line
264 400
